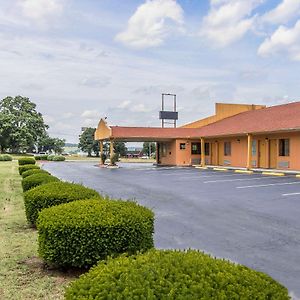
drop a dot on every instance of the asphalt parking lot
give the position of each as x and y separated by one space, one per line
248 218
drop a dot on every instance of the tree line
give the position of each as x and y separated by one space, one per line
22 128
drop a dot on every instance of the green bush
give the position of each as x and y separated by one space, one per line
114 159
25 168
58 158
51 194
160 274
34 171
34 180
41 157
5 157
50 157
80 233
26 161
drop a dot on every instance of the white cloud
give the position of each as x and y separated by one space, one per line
91 114
283 13
139 108
150 24
228 21
40 9
284 39
124 104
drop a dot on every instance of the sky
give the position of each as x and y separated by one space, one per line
83 60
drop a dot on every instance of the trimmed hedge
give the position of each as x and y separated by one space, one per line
170 274
80 233
51 194
25 168
34 180
34 171
58 158
5 157
41 157
50 157
26 161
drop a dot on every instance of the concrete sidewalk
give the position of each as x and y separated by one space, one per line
278 172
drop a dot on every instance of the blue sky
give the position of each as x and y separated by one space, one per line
82 60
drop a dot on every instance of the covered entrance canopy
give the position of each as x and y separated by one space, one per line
142 134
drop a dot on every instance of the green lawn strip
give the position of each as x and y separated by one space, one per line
22 273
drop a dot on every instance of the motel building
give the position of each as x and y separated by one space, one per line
242 136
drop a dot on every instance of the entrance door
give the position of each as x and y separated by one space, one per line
273 154
262 163
214 153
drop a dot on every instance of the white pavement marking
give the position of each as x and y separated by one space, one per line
290 194
239 179
217 174
270 184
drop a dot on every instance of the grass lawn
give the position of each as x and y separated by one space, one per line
22 273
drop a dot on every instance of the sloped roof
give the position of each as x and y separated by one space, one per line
271 119
152 133
278 118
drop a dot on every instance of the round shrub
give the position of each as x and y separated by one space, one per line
58 158
34 171
26 161
5 157
25 168
41 157
50 157
34 180
80 233
51 194
169 274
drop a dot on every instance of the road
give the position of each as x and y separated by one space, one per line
250 219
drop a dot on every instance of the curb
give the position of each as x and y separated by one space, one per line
273 174
244 171
220 169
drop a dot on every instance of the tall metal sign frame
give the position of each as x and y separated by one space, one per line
167 116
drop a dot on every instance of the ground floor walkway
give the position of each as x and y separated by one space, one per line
252 219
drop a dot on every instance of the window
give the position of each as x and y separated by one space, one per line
253 148
182 146
196 148
227 148
206 148
284 147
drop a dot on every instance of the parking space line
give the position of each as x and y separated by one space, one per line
269 184
290 194
239 179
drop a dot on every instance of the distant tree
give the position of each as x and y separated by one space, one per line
149 148
21 126
87 142
47 143
120 148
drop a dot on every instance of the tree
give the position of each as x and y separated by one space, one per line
149 148
21 126
87 142
47 143
120 148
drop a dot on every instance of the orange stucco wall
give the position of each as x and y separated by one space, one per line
238 157
261 158
223 110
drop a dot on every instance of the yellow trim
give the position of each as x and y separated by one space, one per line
243 171
298 175
220 169
199 167
273 174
